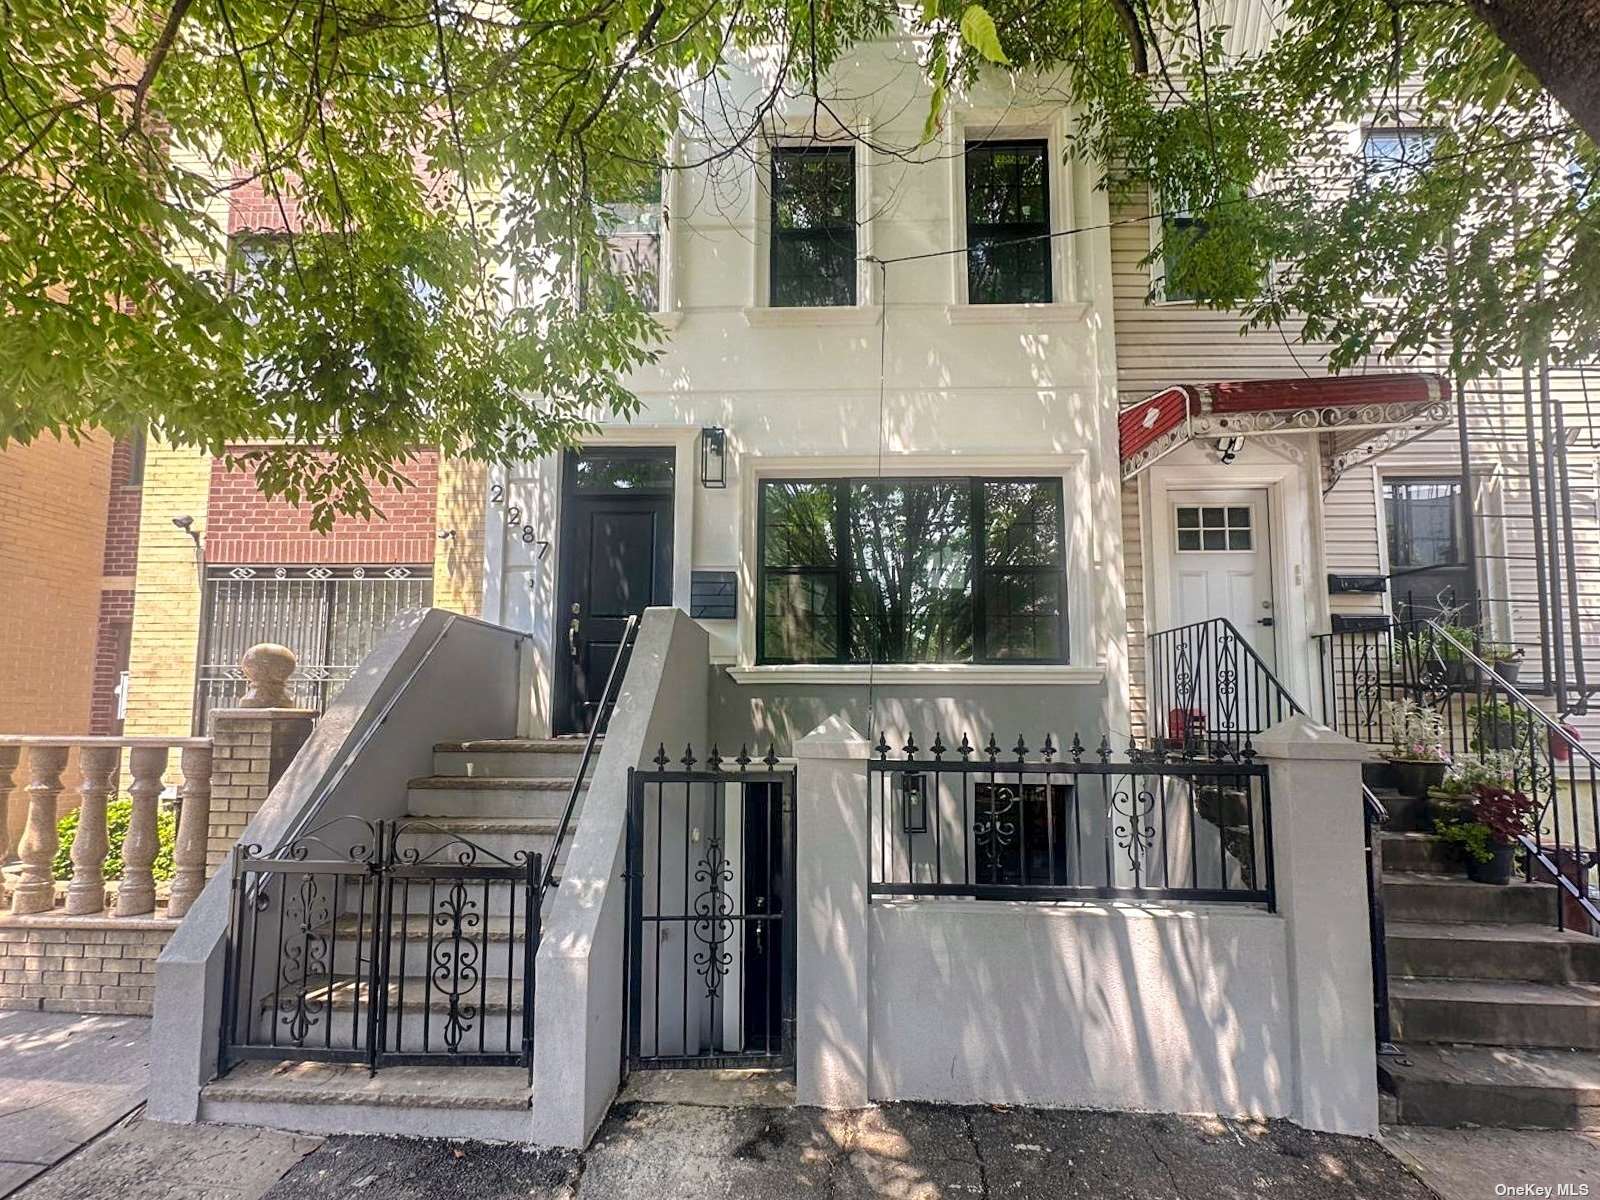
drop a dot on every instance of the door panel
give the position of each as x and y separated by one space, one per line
615 561
1222 562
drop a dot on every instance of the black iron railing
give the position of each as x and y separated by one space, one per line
396 942
608 702
1209 688
1365 674
1001 825
1374 817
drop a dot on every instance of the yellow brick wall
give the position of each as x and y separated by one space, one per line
53 497
458 563
166 613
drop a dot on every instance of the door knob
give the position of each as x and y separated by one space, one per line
1267 621
572 638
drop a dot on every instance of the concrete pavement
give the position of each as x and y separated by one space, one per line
64 1079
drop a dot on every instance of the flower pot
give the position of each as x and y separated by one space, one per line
1497 870
1415 776
1508 670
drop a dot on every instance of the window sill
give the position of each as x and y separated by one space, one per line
791 318
920 674
1012 314
668 318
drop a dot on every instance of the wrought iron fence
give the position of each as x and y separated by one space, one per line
329 616
381 943
711 938
999 825
1210 689
1372 678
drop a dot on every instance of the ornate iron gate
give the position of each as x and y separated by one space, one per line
711 856
329 616
389 943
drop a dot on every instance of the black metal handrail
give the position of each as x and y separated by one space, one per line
1209 685
1001 825
1480 711
1374 817
608 700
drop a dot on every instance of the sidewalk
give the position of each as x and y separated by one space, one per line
64 1079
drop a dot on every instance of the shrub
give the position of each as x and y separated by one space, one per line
119 814
1494 816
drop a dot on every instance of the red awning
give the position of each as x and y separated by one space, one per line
1358 416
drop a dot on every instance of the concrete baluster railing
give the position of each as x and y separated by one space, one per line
99 761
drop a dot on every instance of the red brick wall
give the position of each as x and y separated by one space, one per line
242 526
122 513
111 644
252 209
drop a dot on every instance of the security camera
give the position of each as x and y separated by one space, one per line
184 522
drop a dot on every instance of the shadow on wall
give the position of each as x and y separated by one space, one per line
780 716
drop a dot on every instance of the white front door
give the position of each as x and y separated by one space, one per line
1221 557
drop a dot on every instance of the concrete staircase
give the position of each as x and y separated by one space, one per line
503 797
1495 1011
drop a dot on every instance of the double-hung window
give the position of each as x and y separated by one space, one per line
812 260
912 570
632 227
1008 222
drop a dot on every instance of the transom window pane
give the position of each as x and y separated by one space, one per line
1008 222
813 253
1214 527
599 472
912 570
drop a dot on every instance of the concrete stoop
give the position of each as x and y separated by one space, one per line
1495 1011
490 1104
505 797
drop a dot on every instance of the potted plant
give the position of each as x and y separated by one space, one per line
1486 828
1416 746
1505 659
1495 725
1468 772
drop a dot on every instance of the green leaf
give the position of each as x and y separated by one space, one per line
930 127
979 32
930 11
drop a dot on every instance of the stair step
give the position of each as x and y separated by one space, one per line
1407 814
1419 852
488 1103
1496 1012
1532 953
515 757
418 1015
490 797
1493 1086
1420 896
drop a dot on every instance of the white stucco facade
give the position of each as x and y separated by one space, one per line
911 380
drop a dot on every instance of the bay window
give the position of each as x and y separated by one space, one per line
911 570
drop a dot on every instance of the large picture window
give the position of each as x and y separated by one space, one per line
911 570
1008 223
813 254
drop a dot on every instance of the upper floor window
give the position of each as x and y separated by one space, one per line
632 226
813 254
1008 222
1390 150
920 570
1180 230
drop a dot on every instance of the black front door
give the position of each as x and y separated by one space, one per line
616 560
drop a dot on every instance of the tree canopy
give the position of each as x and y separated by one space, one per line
444 163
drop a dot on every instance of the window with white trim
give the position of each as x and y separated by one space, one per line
911 570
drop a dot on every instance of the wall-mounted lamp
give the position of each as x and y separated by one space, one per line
186 523
714 457
447 535
914 802
1228 449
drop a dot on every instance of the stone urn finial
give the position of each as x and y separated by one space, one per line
267 666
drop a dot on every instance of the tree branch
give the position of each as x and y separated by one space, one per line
158 55
1130 22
